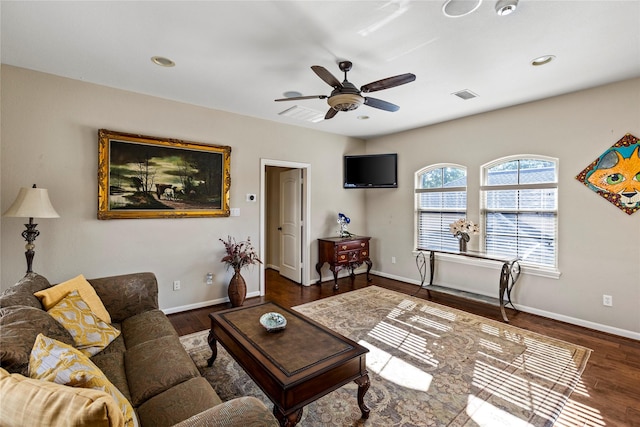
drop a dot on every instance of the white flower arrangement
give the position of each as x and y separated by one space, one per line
463 226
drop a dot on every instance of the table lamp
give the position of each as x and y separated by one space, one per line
31 203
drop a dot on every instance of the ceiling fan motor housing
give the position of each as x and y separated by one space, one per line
345 98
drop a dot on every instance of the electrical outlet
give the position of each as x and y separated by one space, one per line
209 279
393 260
176 285
607 300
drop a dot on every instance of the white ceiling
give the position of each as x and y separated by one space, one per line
239 56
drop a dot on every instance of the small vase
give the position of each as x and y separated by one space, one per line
463 238
237 289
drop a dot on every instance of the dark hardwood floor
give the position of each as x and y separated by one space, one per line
609 394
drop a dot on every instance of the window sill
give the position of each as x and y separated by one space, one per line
551 273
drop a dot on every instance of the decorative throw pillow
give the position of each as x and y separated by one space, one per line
57 362
89 333
31 402
19 327
51 296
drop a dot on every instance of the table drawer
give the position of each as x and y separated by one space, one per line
349 256
357 244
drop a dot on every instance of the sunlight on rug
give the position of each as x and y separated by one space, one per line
429 365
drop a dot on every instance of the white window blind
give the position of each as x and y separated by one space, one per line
441 198
520 207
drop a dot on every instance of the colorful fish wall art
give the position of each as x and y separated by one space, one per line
615 175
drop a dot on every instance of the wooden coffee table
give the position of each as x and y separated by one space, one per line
295 366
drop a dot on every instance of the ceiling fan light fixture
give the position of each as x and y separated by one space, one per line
345 101
506 7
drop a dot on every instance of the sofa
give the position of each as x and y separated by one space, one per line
144 362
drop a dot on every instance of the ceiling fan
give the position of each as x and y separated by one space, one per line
345 96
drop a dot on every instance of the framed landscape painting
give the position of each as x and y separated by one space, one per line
148 177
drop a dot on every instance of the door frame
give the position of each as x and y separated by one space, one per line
305 256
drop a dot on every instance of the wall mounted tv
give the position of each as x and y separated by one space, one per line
371 171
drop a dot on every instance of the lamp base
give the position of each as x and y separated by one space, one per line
30 235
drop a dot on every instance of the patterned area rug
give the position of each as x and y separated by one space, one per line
429 365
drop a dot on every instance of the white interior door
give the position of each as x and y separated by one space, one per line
291 224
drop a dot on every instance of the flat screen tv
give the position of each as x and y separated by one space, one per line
371 171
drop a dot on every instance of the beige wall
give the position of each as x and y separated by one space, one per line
49 137
598 244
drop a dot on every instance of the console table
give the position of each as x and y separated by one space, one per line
343 252
509 275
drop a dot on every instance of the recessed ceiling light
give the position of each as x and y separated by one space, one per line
506 7
291 94
162 61
542 60
458 8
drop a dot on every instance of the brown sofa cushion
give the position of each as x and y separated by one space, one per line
155 366
22 292
147 326
178 403
250 411
19 327
127 295
112 365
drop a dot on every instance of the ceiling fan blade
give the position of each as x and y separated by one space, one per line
325 75
296 98
388 82
380 104
330 114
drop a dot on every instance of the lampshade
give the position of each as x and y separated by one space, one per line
32 203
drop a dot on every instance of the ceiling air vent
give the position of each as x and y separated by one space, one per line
465 94
304 114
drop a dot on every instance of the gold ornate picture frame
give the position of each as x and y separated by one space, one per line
149 177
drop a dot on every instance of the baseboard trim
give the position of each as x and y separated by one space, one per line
202 304
548 314
580 322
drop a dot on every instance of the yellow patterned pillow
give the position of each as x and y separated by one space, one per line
89 333
60 363
30 402
51 296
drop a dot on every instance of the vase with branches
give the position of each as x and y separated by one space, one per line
238 254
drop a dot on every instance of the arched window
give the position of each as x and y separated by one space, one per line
519 199
440 199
